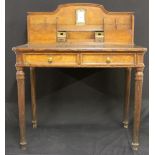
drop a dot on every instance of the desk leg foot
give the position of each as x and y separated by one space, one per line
135 146
23 146
127 97
125 125
34 124
21 104
33 96
137 107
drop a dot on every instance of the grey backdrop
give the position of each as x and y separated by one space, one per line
71 92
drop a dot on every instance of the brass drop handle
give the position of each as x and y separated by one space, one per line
108 60
50 60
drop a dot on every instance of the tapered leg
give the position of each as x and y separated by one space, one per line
21 105
127 97
33 97
137 107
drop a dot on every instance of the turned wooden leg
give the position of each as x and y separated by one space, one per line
137 107
21 105
33 97
127 97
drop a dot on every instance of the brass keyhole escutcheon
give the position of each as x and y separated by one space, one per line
108 60
50 60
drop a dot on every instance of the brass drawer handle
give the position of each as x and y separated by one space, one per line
108 60
50 60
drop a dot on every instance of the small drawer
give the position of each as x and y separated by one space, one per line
50 59
108 59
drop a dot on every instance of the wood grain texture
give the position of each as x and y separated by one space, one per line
78 47
21 105
127 97
117 26
33 96
87 59
137 107
50 59
110 59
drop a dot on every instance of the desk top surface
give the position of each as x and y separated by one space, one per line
77 47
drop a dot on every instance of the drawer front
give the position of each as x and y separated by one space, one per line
50 59
108 59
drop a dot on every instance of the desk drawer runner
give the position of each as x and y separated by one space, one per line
50 59
108 59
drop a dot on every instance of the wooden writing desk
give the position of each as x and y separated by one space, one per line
80 35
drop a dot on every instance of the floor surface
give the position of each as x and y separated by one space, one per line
75 125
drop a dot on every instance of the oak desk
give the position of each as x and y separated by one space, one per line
81 45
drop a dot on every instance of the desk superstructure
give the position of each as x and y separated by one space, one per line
80 35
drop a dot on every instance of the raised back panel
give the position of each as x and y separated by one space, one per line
118 27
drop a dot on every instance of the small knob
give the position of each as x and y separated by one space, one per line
50 60
108 60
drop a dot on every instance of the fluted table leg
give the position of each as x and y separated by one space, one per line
137 107
21 105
